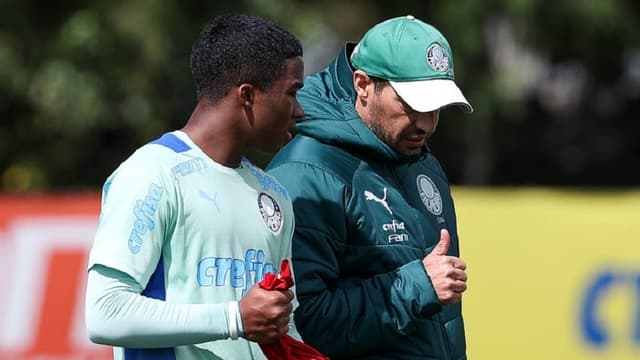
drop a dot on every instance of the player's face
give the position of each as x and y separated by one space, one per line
402 128
277 108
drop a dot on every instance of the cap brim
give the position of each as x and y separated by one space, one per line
430 95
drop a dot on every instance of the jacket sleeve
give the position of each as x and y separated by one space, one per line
345 318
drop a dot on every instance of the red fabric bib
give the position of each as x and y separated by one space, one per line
287 348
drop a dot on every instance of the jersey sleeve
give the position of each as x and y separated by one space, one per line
116 314
136 216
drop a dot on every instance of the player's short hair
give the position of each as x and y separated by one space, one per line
234 49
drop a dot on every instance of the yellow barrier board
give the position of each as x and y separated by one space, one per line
552 274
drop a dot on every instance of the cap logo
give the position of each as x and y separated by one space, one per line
437 58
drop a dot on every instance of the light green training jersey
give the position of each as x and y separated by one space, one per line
190 230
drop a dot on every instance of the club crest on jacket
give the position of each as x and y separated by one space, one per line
429 194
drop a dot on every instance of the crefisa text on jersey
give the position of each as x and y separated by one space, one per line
143 212
214 271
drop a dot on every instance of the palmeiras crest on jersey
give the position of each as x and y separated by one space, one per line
270 211
429 194
437 58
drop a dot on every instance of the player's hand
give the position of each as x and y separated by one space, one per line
265 314
447 273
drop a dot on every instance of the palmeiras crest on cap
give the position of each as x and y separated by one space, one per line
270 211
429 194
437 58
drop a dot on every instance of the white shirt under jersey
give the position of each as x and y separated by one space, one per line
191 231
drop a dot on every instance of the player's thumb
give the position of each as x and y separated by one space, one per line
442 248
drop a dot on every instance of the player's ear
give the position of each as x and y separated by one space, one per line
246 94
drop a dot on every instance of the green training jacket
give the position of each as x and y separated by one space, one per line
365 218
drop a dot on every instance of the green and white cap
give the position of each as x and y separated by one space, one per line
415 58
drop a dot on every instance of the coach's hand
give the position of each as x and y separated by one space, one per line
447 273
265 314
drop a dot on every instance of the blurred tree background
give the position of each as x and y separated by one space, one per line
555 85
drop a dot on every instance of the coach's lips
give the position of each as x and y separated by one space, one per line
416 141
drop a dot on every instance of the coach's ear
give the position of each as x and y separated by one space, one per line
361 83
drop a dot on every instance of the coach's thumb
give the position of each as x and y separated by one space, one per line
442 248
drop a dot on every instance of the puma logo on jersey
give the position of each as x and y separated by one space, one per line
213 199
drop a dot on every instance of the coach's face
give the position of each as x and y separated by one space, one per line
391 119
277 108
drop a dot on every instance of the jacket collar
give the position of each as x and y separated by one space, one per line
343 71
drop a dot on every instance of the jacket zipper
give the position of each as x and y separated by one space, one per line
443 330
